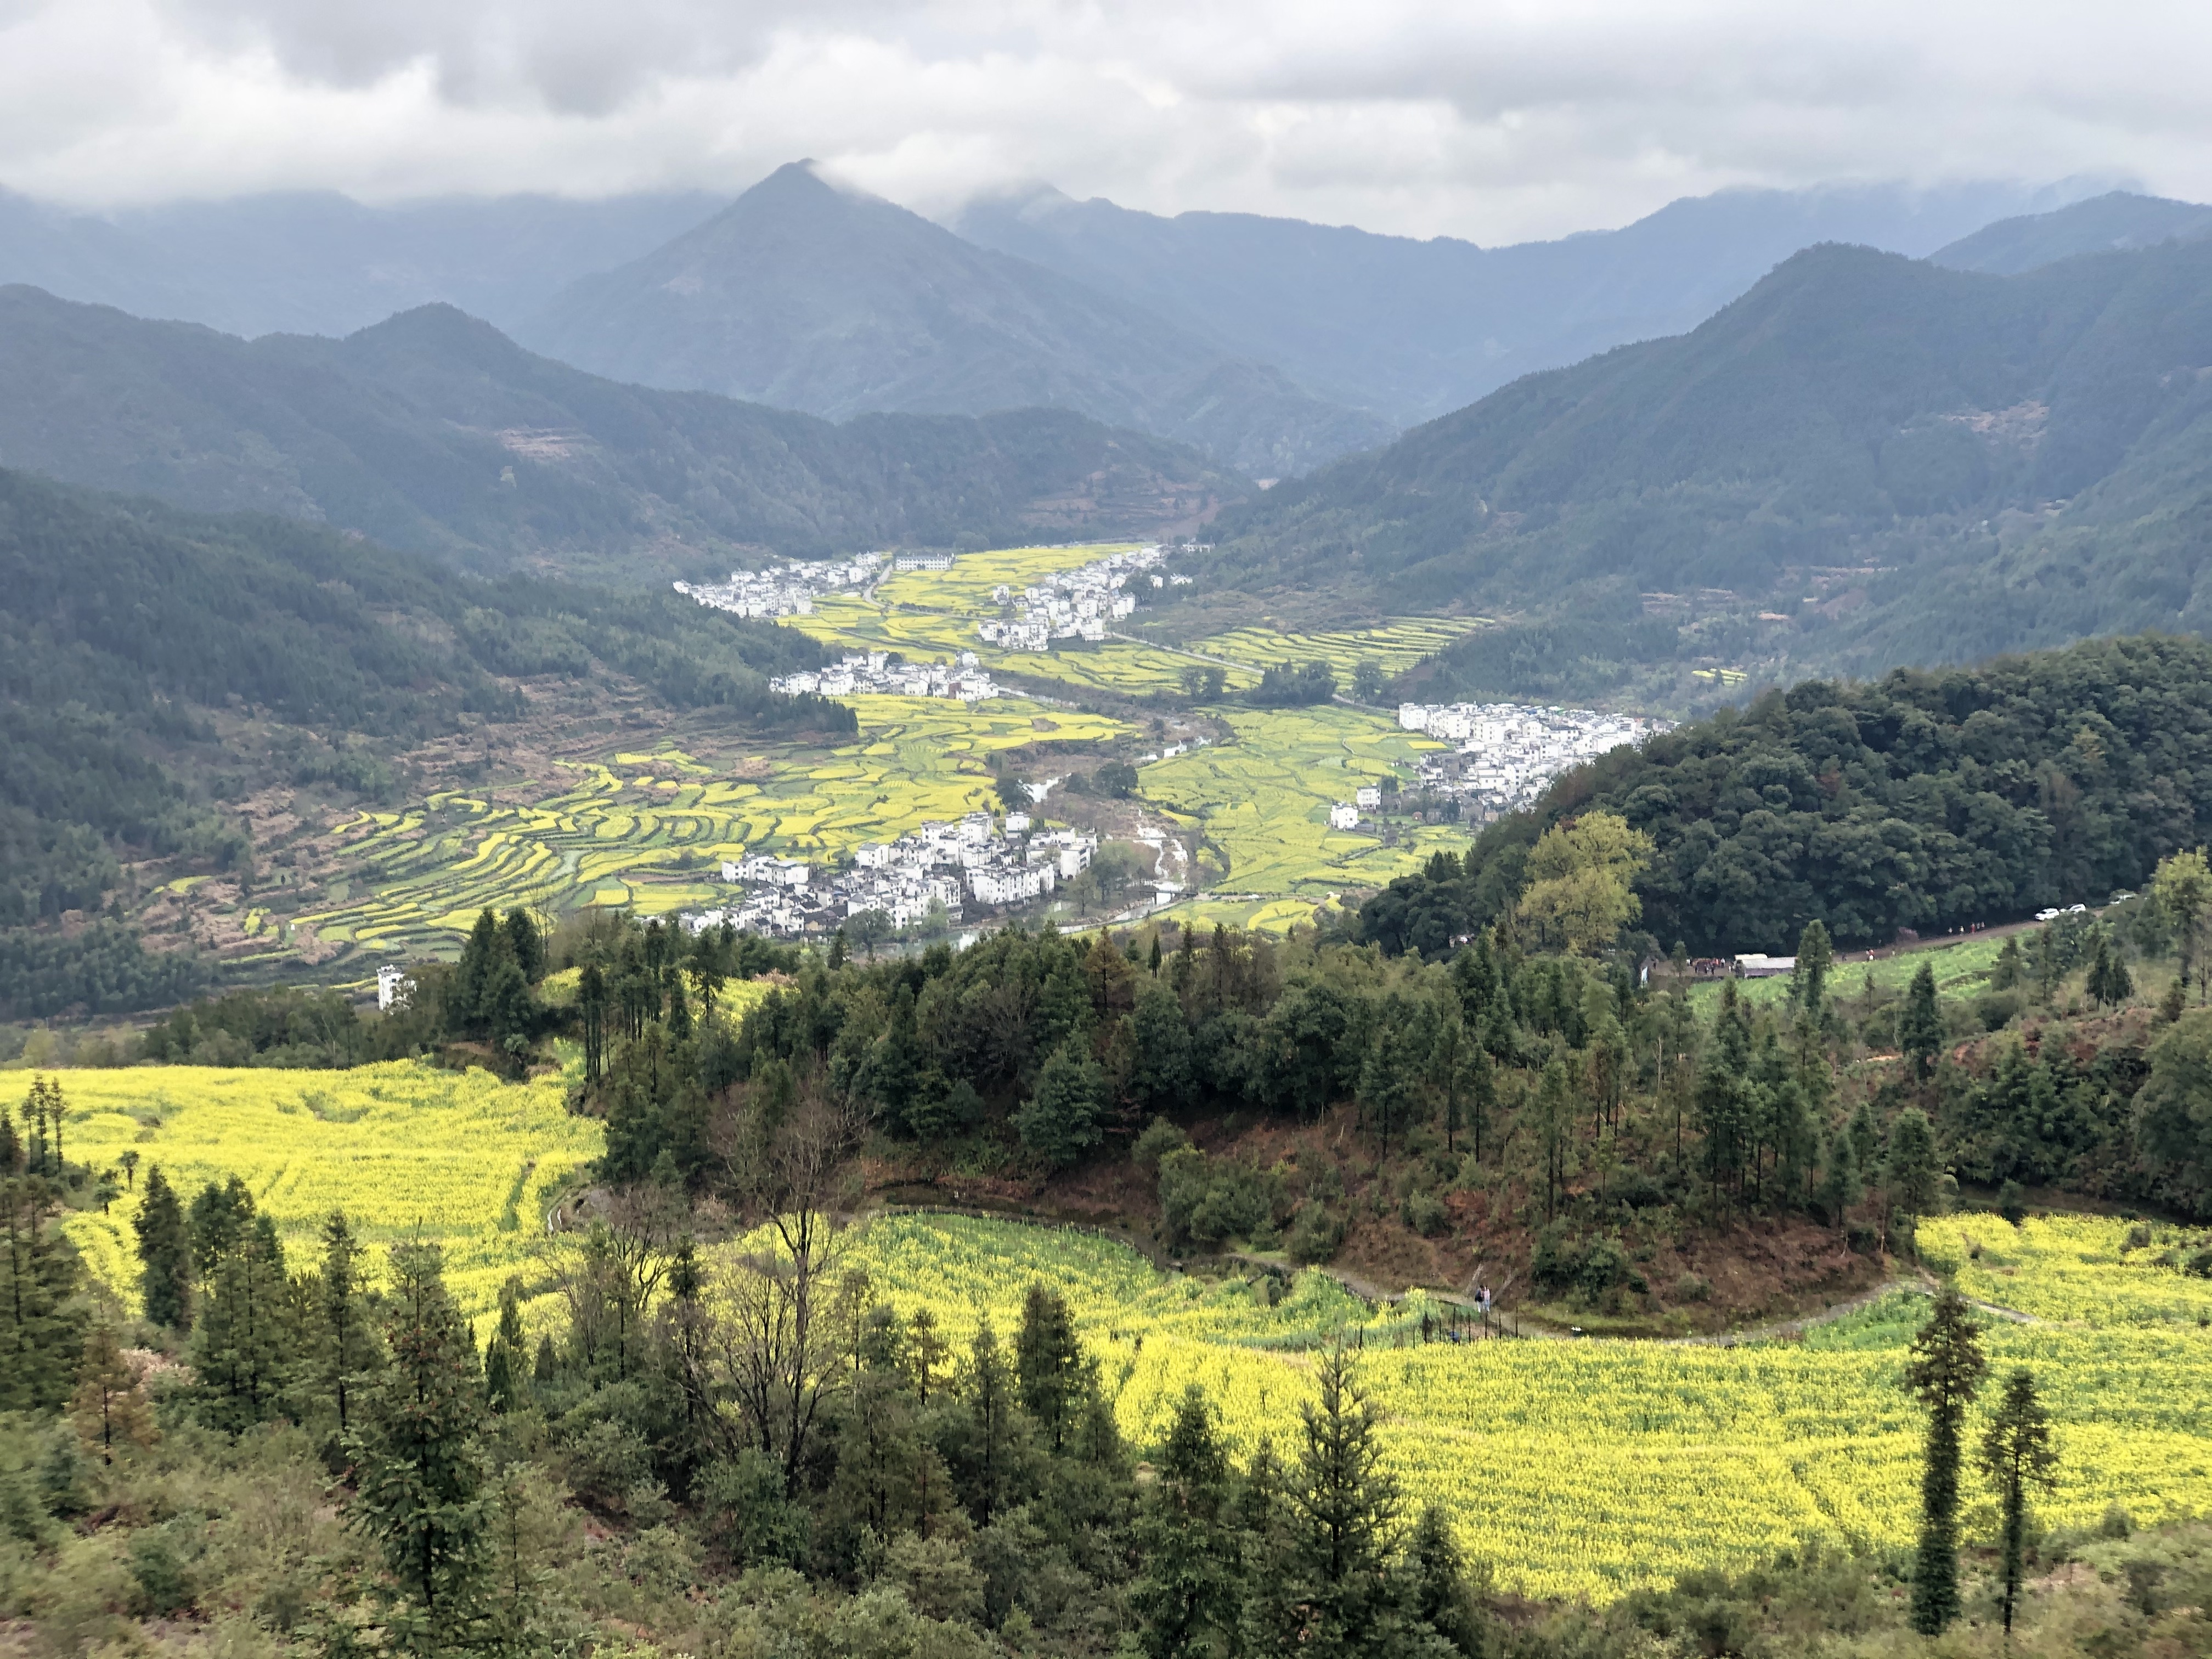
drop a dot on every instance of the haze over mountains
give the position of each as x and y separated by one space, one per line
434 432
1865 461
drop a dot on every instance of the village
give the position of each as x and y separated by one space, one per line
1507 753
1073 604
931 875
786 590
876 673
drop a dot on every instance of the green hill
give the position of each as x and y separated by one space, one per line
434 432
1866 460
155 665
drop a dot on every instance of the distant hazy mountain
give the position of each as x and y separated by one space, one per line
1412 329
434 432
1865 461
2112 222
321 264
809 296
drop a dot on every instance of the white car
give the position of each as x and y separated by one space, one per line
2046 915
2077 909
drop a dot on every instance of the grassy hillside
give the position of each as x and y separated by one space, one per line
434 432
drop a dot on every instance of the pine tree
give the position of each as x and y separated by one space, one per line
1920 1024
927 1356
1185 1600
1911 1172
1553 1121
165 1250
1839 1178
2017 1454
419 1471
41 1326
242 1340
992 1447
2010 971
1437 1594
1048 1362
1816 957
349 1346
1944 1371
504 1365
592 1002
1343 1520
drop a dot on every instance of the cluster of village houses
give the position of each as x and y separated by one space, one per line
787 590
1506 753
1073 604
875 672
940 864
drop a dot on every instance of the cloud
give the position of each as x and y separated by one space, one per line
1495 121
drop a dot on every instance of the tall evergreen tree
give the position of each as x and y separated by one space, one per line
1945 1370
1816 959
1337 1601
1185 1598
419 1471
1059 1121
1909 1171
1048 1363
506 1366
990 1451
41 1326
1920 1024
243 1339
165 1251
2018 1455
1437 1594
109 1408
349 1347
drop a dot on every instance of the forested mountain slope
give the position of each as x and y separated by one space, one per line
1925 799
434 432
809 296
1865 461
133 637
2113 222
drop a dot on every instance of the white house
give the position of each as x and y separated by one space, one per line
1344 815
392 986
1368 795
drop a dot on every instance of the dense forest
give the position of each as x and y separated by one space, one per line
1865 461
130 634
1927 800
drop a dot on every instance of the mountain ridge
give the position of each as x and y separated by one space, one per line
432 432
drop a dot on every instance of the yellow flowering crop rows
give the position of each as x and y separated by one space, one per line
2063 1268
1589 1468
402 1148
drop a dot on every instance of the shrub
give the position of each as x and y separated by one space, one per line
1315 1235
1159 1139
1425 1213
1692 1288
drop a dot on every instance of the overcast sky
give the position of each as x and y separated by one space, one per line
1497 122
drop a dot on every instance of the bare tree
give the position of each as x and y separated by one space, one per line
775 1342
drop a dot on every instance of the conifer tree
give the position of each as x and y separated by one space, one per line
2018 1455
1186 1598
992 1443
1944 1371
1343 1518
1437 1594
165 1250
927 1356
41 1326
1920 1024
419 1470
349 1349
1059 1121
1839 1178
243 1339
1048 1362
1816 957
504 1365
1911 1172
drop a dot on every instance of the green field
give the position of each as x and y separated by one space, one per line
1961 968
649 830
1572 1468
1262 802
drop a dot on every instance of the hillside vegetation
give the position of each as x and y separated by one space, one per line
137 641
1929 800
1863 461
434 432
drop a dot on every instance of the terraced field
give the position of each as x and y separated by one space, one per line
649 830
1261 803
1395 645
